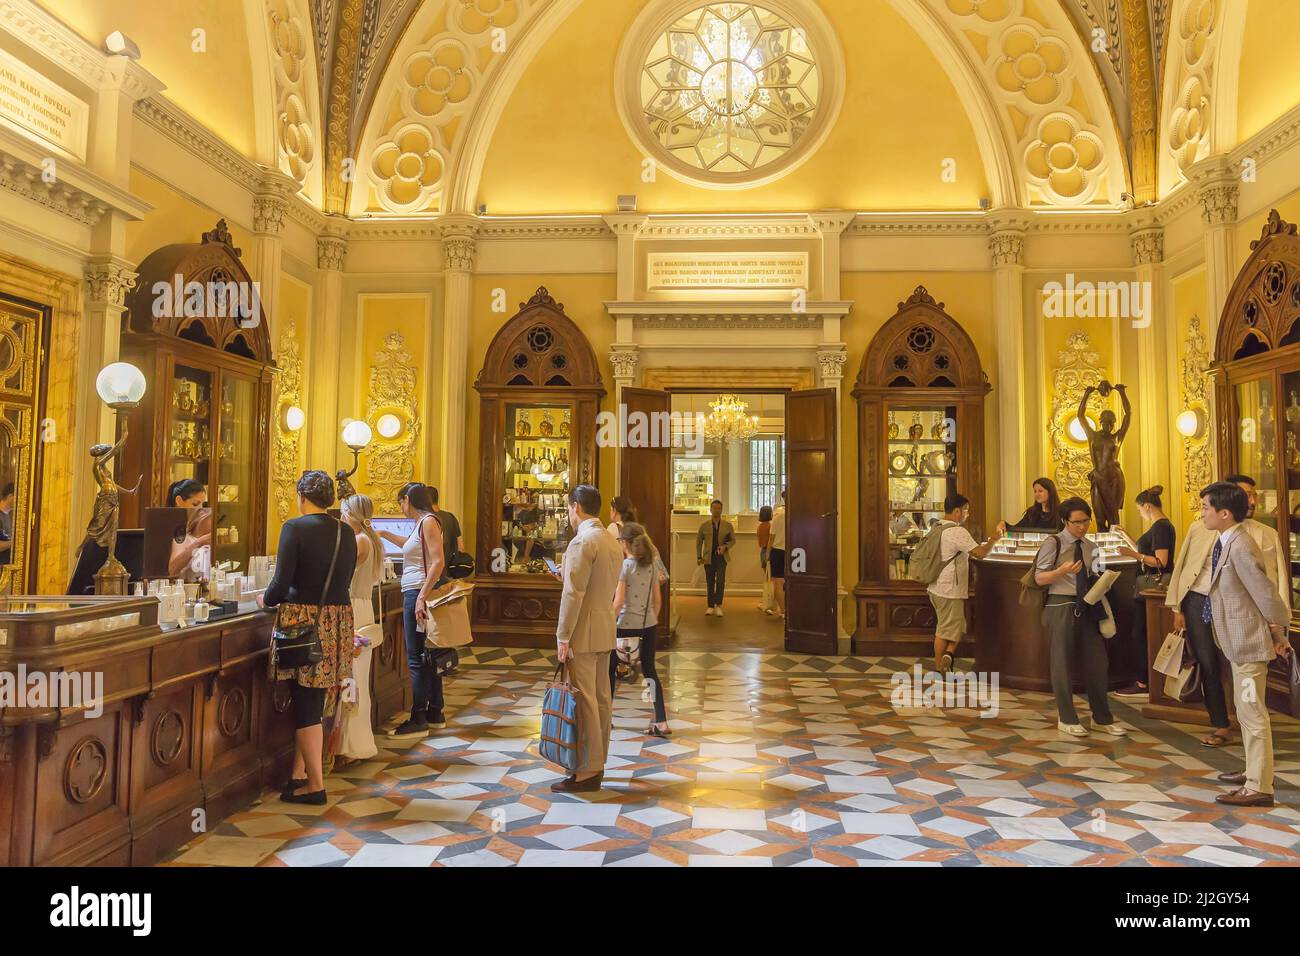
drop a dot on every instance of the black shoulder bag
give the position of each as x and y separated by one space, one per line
299 644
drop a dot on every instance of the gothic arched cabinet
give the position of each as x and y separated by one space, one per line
539 393
196 328
920 394
1257 395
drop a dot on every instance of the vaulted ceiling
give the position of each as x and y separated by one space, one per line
414 107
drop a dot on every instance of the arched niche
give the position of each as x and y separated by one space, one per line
920 392
189 290
539 395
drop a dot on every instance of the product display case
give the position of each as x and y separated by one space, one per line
920 394
1256 373
1022 546
693 483
539 392
206 411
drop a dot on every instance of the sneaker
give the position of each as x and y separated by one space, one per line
437 721
410 728
708 612
717 611
769 612
1133 690
1075 730
1115 729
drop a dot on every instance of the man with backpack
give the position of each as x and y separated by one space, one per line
942 562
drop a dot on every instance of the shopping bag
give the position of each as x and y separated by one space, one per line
769 597
1169 660
559 743
1107 624
698 579
1185 686
448 621
1295 682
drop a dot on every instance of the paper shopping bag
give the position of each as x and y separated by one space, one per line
1169 661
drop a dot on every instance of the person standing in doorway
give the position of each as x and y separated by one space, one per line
951 588
776 557
1062 567
1250 625
1266 536
584 635
764 530
718 537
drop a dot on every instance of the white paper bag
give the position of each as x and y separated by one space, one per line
1174 683
1169 661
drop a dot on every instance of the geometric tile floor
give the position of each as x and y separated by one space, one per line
775 760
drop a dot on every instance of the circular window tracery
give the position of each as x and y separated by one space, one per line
730 94
920 339
540 339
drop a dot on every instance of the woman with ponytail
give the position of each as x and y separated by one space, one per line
637 602
357 737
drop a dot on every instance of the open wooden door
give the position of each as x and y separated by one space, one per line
812 543
643 476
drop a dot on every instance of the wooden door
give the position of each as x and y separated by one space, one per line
643 476
812 548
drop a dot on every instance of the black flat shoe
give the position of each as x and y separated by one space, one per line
293 784
316 798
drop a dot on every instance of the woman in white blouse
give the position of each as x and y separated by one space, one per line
357 739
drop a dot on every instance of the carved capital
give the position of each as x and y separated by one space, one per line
1218 203
831 360
108 280
330 252
269 211
1007 248
458 253
624 359
1148 246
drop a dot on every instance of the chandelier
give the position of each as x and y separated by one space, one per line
728 421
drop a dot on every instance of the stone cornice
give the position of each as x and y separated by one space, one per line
1275 138
726 314
195 138
72 190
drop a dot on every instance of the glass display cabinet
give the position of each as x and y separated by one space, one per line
207 408
1256 373
920 394
693 483
539 392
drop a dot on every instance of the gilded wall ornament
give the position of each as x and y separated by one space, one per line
390 463
1194 379
1077 367
285 456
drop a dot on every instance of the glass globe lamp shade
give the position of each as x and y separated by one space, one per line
357 435
120 385
294 418
1077 432
389 425
1189 423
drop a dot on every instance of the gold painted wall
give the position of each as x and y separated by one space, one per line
1189 293
1269 82
215 87
560 146
295 311
175 218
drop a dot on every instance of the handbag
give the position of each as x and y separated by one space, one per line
373 634
460 564
1033 594
559 734
299 644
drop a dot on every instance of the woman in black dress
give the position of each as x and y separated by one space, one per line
1044 514
308 546
1155 557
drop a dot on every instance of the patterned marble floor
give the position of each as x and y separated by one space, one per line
776 760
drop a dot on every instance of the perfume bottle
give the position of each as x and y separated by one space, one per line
1293 409
916 431
547 426
893 426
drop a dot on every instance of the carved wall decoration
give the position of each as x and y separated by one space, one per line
167 738
22 334
1195 32
1194 380
390 463
86 770
297 114
1052 106
1263 307
440 67
286 455
1076 368
232 712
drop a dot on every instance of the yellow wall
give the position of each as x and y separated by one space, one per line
214 87
561 147
295 307
175 218
1269 82
1188 300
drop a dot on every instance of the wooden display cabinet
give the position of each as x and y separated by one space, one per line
920 394
206 411
1256 372
540 391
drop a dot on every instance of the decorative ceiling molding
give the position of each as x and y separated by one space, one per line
298 144
75 192
726 314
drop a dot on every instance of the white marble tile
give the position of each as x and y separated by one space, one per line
729 842
1221 857
1130 791
1031 828
416 832
563 858
583 814
718 818
388 854
655 816
314 854
697 859
457 811
839 783
460 773
896 823
890 847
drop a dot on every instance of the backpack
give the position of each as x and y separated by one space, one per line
926 564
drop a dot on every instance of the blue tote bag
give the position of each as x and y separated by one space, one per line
560 722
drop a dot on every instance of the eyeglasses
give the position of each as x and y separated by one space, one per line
1079 521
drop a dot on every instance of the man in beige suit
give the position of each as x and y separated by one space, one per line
1266 536
1250 622
585 633
1189 589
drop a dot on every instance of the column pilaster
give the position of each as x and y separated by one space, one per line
1152 406
325 421
1217 188
1006 248
270 208
459 248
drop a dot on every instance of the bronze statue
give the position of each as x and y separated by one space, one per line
1106 477
112 577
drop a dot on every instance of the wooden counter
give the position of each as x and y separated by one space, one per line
1009 638
190 730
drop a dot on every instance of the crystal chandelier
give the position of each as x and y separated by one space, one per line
728 421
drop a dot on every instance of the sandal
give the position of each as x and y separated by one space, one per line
1216 740
654 731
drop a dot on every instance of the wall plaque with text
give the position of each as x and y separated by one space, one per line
726 271
40 109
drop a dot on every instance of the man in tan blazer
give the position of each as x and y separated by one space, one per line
1270 545
585 633
1250 625
1189 589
